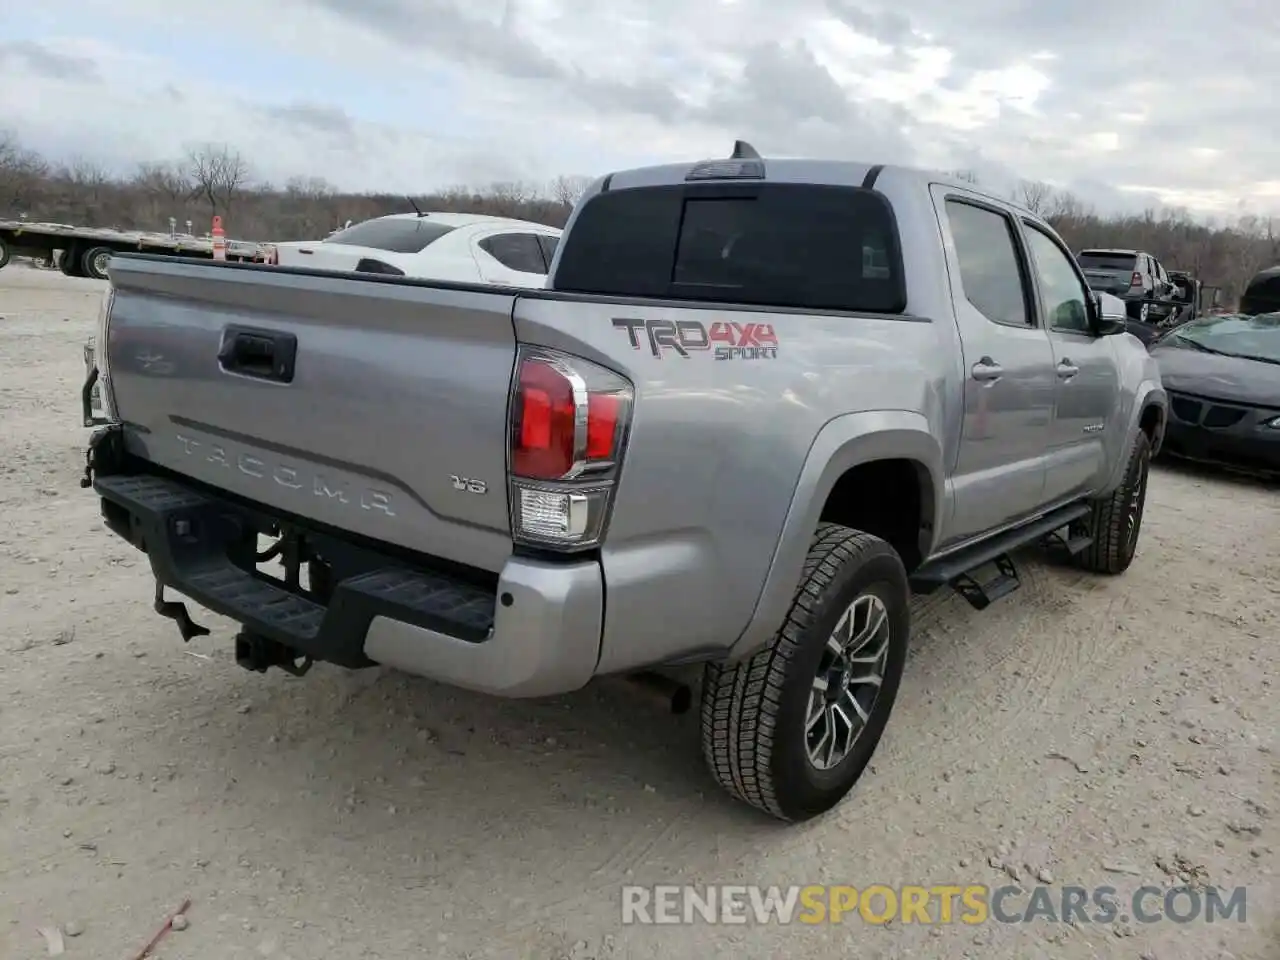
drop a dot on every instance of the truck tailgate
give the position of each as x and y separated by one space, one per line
390 422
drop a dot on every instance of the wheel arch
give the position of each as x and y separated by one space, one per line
1148 414
851 458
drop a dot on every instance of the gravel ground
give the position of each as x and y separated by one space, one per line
1115 732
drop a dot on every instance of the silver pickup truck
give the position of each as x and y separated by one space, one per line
759 404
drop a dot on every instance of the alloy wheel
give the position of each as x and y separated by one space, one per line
847 682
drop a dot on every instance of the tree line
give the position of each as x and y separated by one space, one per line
216 179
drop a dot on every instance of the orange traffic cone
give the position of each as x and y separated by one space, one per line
219 240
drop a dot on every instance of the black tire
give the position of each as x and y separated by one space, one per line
754 712
1117 519
70 263
93 263
5 253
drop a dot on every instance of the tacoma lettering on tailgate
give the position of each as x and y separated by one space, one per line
299 479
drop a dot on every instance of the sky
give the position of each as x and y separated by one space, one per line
1126 107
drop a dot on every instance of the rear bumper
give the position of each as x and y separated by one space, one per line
536 633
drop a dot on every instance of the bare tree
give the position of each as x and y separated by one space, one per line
567 190
309 188
508 198
22 174
168 182
85 182
218 174
1248 250
1033 194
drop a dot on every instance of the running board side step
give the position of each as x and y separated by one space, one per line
983 593
957 569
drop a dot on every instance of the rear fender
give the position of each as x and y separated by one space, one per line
842 444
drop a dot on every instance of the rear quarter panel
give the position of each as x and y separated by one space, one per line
718 448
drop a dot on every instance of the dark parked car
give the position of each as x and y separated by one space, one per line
1186 297
1135 277
1262 295
1222 375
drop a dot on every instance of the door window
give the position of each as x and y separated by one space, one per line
1062 292
515 251
989 269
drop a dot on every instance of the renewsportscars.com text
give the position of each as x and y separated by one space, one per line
969 904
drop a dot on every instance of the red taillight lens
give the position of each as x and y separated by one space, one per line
1136 279
546 412
602 425
549 438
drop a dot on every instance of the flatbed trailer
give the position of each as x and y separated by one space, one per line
86 250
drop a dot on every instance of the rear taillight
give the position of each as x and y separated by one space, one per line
101 354
568 431
1136 279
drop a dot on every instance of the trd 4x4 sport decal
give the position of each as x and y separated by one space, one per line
730 341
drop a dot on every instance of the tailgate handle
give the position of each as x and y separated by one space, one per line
264 354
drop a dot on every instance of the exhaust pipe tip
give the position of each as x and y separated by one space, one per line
677 697
681 699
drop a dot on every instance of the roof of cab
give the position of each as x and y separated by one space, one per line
802 170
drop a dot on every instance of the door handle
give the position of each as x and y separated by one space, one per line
1066 369
987 370
263 354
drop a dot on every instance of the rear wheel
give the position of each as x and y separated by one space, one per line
5 253
791 729
1117 519
94 262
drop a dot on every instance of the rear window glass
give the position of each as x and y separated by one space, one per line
1107 261
768 245
516 251
398 236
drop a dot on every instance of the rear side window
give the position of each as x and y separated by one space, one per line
516 251
548 245
1108 261
989 268
769 245
397 236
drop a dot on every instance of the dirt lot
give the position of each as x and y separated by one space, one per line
1109 732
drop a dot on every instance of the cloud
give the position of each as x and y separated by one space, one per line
38 62
412 94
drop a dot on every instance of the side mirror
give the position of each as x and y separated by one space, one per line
1102 322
